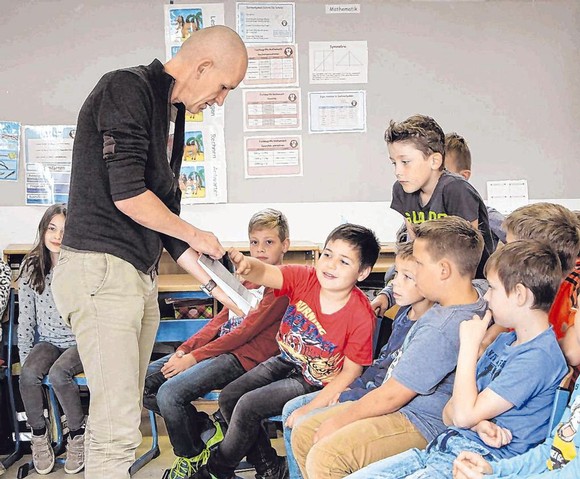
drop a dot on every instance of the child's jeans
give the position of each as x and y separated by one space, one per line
244 403
171 398
61 365
435 462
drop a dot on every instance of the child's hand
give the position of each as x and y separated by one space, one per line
473 330
241 263
470 465
296 414
328 427
176 365
492 434
380 304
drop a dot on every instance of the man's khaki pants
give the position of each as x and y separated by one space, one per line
113 311
352 447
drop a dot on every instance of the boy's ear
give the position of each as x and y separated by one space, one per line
363 274
466 174
523 295
436 161
445 268
285 245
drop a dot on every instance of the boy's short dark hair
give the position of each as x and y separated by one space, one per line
362 239
531 263
457 145
551 223
405 250
423 131
454 238
269 219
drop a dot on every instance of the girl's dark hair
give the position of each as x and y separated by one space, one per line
37 263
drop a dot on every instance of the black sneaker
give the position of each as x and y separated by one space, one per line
280 471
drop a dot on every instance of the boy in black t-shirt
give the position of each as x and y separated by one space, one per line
424 189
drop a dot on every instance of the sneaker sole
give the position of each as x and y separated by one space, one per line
48 470
74 471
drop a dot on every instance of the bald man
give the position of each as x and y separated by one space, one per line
124 208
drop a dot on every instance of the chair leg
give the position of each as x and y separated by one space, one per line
153 452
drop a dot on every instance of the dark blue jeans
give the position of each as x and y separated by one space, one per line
245 403
171 398
61 365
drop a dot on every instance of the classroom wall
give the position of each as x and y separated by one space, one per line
502 73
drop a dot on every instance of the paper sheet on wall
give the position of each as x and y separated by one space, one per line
338 62
229 284
507 195
272 65
337 111
180 22
9 150
265 22
270 156
203 174
274 109
48 160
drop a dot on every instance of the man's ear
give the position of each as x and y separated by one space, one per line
363 274
436 161
466 174
202 66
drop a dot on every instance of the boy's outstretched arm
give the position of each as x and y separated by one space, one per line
468 406
255 270
388 398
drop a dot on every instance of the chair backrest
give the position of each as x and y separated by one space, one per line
173 330
561 399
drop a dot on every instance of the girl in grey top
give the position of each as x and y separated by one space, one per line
47 346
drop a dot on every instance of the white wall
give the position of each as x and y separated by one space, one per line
308 221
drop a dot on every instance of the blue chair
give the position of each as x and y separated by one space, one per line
170 330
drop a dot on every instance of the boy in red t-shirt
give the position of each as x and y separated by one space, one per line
325 339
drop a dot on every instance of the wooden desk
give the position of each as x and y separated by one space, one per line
386 258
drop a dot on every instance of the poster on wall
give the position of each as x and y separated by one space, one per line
272 65
272 156
48 160
337 111
259 22
338 62
203 174
273 109
9 150
180 22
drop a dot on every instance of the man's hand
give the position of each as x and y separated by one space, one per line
176 365
472 331
328 427
470 465
243 266
206 242
297 414
492 434
380 304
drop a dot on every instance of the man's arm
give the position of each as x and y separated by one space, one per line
570 344
149 211
256 271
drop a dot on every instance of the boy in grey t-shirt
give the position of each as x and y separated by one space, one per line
405 411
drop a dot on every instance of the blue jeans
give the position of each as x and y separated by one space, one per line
289 408
171 398
245 403
435 462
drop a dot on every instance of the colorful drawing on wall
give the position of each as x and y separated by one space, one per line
9 150
192 181
193 149
183 22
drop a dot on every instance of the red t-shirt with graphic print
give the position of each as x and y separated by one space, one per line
318 342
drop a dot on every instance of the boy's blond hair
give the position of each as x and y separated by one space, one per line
551 223
532 263
269 219
420 130
453 238
405 250
456 144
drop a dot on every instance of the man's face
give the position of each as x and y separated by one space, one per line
412 169
211 85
